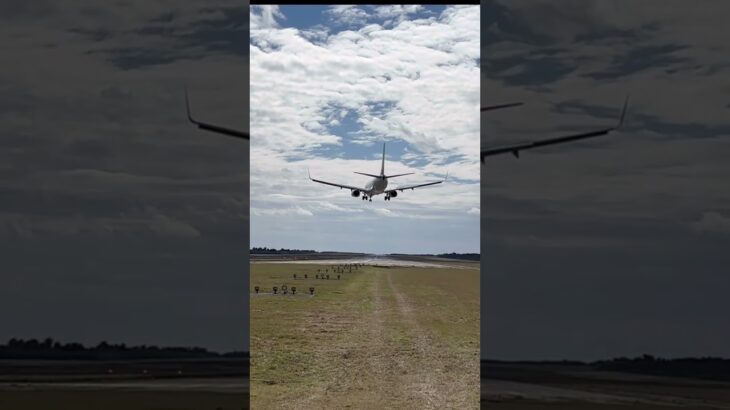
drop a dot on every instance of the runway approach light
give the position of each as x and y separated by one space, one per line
316 276
256 288
295 276
338 277
305 276
311 291
275 290
293 290
328 276
283 289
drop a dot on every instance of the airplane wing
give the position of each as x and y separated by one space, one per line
212 127
403 188
500 106
515 149
352 188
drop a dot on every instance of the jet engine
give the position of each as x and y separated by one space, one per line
355 193
393 194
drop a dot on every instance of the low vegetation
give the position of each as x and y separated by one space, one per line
49 349
379 337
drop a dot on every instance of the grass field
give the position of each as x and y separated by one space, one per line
514 385
120 400
380 337
206 383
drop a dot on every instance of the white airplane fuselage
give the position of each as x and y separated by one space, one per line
376 186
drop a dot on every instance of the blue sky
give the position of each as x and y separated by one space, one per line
306 16
329 85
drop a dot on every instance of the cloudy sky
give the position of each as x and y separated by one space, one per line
328 86
119 221
616 246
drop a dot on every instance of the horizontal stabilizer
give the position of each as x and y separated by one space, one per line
368 175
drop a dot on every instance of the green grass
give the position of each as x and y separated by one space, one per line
377 338
119 400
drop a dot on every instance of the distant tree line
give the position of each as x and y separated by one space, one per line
708 368
465 256
452 255
274 251
52 350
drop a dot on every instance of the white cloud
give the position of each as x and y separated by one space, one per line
713 222
266 17
304 82
166 226
296 210
383 211
348 14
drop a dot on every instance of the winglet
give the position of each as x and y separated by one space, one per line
212 127
447 176
187 105
308 174
623 113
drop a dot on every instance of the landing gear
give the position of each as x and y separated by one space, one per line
371 199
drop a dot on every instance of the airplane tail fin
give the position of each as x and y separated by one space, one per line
382 164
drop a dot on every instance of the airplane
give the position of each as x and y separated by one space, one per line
211 127
515 149
378 184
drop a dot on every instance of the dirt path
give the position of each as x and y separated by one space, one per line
382 344
429 378
399 362
421 380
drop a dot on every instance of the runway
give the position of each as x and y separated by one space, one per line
548 385
373 260
208 385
